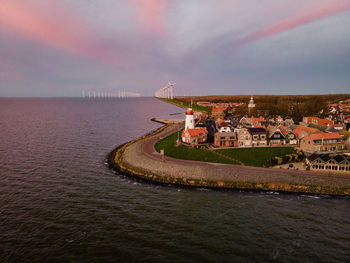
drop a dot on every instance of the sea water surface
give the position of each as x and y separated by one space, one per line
59 202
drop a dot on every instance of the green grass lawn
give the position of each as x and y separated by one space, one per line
188 153
260 157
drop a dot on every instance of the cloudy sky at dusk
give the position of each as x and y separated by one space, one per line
59 48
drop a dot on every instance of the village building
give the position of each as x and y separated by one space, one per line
301 131
219 112
290 137
317 121
258 136
245 121
288 122
275 137
251 104
279 121
329 162
257 122
225 139
223 126
322 142
195 136
244 138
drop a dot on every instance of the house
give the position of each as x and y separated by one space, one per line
288 122
244 138
329 162
258 136
245 121
223 126
289 136
257 121
317 121
218 113
195 136
301 131
322 142
275 136
279 121
225 139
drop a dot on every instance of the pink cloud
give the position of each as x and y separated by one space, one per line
55 27
309 13
151 16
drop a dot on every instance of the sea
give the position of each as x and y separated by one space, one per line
59 201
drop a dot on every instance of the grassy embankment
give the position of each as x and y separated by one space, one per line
187 153
184 104
260 157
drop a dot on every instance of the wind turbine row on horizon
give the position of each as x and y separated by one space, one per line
105 95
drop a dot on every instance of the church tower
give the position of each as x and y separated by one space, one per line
251 104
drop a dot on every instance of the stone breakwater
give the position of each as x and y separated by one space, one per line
139 160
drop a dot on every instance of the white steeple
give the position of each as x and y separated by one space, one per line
189 123
251 103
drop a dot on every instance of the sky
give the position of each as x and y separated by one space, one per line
51 48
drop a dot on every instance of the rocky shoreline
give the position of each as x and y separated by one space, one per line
138 160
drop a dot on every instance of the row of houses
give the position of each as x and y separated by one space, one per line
252 132
255 137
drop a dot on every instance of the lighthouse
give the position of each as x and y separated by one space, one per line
189 122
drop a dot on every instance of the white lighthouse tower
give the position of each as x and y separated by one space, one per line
189 123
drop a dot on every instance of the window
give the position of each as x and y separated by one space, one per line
232 137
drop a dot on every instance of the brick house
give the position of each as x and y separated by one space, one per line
258 136
322 142
244 138
225 139
195 136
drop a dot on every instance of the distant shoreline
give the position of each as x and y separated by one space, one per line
138 160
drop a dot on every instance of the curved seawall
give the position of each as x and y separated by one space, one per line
139 159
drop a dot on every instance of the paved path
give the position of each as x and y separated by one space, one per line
142 156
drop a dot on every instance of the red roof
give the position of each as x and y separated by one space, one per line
195 132
319 121
323 135
218 110
300 129
189 111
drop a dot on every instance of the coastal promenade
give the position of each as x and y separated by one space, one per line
140 159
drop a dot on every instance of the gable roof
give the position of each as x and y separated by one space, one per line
325 157
323 135
304 129
195 132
